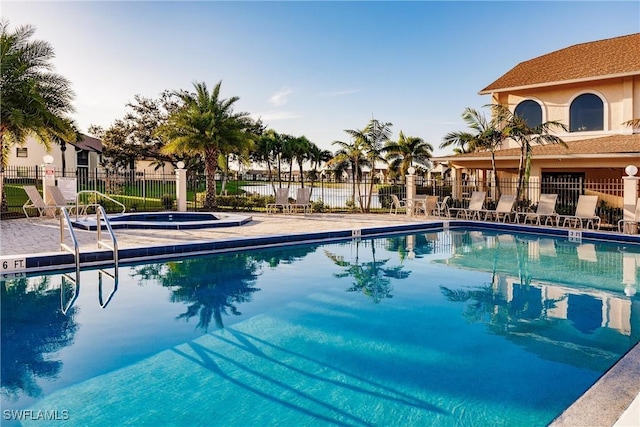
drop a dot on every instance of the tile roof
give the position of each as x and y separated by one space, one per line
89 143
604 146
586 61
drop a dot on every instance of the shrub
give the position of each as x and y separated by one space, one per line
167 201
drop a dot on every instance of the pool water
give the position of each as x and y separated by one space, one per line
444 328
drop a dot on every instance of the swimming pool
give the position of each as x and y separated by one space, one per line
437 328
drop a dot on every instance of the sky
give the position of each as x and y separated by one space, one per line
311 68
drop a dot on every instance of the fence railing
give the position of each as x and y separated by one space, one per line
144 191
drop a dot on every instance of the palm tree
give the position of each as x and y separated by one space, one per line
300 149
406 152
486 135
376 135
35 100
351 155
633 123
204 125
516 128
462 140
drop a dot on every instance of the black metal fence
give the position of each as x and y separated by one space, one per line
144 191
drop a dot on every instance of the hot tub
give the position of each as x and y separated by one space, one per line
165 221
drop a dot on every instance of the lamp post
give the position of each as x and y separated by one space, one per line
48 177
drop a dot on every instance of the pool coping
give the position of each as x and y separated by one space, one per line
603 403
56 261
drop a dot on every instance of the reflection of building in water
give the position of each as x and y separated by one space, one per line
586 310
552 288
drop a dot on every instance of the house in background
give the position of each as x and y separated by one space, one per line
84 156
592 88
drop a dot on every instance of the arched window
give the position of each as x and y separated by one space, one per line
530 111
586 113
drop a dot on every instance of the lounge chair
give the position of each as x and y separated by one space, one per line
546 211
56 199
303 201
35 201
474 209
282 201
630 226
503 210
397 204
443 207
585 215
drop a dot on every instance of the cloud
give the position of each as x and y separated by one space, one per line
280 98
341 92
277 115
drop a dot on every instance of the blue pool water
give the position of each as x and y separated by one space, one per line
443 328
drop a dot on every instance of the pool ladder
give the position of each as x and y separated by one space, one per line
74 249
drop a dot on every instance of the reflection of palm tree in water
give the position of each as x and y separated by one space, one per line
211 286
487 303
33 327
370 278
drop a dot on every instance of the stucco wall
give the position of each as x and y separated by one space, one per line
621 98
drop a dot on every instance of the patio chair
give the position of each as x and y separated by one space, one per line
56 199
282 202
474 209
585 215
430 206
546 211
630 226
303 201
35 201
443 207
397 204
503 210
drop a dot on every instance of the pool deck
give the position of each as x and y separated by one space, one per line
613 400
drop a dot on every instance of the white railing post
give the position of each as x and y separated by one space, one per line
411 189
181 187
630 197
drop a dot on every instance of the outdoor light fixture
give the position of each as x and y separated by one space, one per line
411 170
48 159
180 165
631 170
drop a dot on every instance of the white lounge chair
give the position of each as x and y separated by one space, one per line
303 201
443 207
282 201
630 226
473 211
35 201
546 211
503 210
56 199
585 215
397 205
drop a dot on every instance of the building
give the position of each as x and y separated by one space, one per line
593 88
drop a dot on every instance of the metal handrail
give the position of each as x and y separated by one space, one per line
97 193
64 217
102 214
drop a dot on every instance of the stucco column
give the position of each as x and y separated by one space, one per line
534 189
410 183
456 185
181 188
630 197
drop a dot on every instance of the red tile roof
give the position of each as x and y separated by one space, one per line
587 61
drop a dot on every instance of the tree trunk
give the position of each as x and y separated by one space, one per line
211 163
